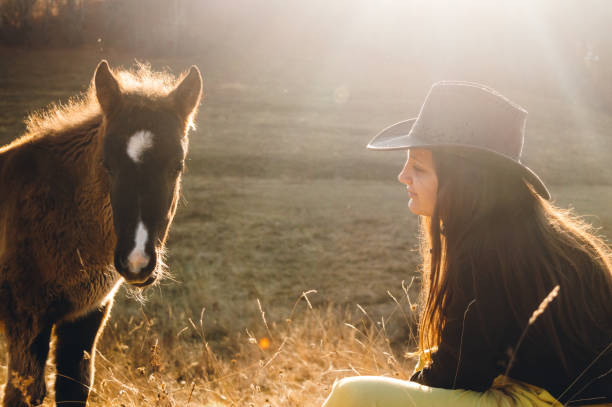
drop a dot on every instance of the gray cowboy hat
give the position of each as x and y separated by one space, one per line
469 117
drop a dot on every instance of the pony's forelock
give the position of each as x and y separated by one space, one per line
143 80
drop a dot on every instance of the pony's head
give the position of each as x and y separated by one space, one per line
145 144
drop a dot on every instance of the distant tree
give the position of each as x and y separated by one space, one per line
70 19
15 20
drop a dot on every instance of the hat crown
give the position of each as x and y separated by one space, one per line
471 114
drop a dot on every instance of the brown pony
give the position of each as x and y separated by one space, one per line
87 196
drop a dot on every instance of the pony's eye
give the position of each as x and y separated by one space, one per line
107 167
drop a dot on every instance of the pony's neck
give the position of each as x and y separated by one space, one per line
92 163
81 155
93 191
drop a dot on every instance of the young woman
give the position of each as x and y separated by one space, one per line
517 293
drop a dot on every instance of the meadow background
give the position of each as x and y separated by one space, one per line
293 253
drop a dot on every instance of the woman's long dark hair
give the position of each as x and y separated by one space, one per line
491 231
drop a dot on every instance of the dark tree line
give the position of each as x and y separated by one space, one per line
123 24
42 22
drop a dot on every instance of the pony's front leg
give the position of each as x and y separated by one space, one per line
74 356
28 353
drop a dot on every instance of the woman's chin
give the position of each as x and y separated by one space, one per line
413 207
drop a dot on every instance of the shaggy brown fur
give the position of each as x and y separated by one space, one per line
59 223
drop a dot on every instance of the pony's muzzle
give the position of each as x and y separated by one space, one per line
137 260
138 268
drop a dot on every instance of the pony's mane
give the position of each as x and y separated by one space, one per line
84 109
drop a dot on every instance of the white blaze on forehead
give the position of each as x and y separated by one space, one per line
140 142
138 259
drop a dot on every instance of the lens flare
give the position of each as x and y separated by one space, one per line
264 343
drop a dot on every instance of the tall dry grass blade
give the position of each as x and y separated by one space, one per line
406 288
549 298
461 341
276 354
190 393
599 355
398 305
534 316
181 331
263 317
305 297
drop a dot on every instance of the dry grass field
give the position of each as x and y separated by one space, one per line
293 253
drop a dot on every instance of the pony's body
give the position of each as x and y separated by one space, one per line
55 218
64 216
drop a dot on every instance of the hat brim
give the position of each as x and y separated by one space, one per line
399 137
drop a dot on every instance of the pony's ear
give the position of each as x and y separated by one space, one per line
186 96
107 88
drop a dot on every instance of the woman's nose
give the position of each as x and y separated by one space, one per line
404 177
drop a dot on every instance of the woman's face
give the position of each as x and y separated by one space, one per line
419 176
